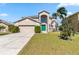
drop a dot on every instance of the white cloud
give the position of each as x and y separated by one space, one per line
67 4
70 13
3 14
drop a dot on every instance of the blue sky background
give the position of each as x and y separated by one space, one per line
14 11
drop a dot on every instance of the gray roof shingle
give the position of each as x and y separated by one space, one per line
5 22
31 18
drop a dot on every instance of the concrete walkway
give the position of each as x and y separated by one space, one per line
11 44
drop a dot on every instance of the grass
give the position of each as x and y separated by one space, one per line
3 33
48 44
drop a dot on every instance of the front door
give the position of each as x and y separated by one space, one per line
43 27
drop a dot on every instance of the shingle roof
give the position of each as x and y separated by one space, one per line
36 17
73 14
31 18
3 21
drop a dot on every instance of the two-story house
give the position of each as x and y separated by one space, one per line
46 22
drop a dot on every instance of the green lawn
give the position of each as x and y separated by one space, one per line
50 43
3 33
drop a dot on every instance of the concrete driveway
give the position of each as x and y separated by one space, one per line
11 44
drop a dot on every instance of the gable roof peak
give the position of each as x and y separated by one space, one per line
43 11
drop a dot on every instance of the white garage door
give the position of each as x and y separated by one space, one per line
26 29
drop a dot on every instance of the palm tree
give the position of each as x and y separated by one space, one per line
65 27
61 13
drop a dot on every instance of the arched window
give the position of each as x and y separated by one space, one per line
43 19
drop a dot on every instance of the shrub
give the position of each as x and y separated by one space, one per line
13 29
2 27
37 29
60 27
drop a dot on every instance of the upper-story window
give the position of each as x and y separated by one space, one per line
44 19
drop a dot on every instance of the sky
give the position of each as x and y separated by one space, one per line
15 11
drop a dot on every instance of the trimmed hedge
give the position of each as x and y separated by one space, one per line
37 29
13 29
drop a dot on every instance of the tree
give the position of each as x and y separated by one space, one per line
2 27
66 28
61 13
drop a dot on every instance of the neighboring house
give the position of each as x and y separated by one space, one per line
75 21
47 23
5 24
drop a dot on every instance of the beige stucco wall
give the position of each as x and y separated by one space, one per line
50 20
6 27
27 22
44 13
54 24
48 29
78 17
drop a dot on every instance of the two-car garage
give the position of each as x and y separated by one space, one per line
27 28
27 25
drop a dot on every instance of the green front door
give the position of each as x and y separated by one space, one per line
43 27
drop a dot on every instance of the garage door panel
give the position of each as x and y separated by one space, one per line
27 29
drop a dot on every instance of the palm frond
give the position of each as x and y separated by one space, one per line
54 15
62 11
